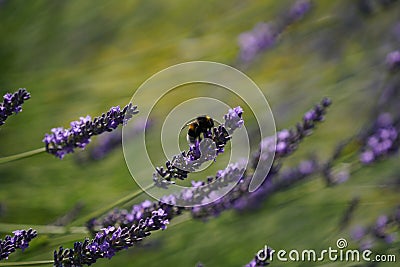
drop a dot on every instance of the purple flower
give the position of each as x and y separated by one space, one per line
207 149
382 221
367 157
390 238
393 60
110 240
265 35
20 239
384 230
261 37
358 233
63 141
299 9
288 140
12 103
383 140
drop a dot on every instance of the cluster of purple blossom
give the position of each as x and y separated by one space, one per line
12 103
20 239
110 240
199 152
63 141
265 35
385 229
383 140
393 61
126 218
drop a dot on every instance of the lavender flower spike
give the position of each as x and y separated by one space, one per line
63 141
20 239
109 240
200 152
383 140
12 103
393 60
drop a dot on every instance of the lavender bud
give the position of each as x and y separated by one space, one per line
382 141
393 60
299 9
12 103
261 37
20 239
265 35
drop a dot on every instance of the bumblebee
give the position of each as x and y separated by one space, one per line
200 125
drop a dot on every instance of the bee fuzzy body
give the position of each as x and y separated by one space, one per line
201 125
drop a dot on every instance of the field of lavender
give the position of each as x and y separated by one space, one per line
330 71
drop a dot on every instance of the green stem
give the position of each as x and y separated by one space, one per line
107 208
43 229
27 263
22 155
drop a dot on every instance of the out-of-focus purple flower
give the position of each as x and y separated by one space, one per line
261 37
367 157
110 240
12 103
380 226
366 244
63 141
384 229
382 221
20 239
299 9
382 141
393 60
288 140
396 31
339 174
358 233
390 238
265 35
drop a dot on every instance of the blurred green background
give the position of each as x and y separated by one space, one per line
82 57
